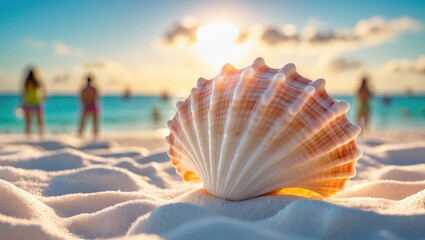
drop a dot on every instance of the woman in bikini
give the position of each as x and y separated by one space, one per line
363 96
89 100
33 96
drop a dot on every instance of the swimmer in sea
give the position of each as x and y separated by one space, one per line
90 107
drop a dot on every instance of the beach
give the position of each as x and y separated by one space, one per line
123 186
107 108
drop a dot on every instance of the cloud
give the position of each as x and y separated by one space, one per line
108 70
366 32
59 48
339 64
108 75
311 38
63 50
61 78
103 64
34 43
99 63
274 36
184 32
184 29
415 66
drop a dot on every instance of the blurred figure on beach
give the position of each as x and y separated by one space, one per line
156 115
90 107
127 93
165 96
33 96
364 94
386 100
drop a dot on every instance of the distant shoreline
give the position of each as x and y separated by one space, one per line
118 114
380 95
9 94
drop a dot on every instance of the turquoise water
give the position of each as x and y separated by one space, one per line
135 113
117 114
400 113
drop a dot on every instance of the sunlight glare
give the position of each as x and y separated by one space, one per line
218 33
217 43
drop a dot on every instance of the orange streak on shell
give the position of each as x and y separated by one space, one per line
191 177
300 192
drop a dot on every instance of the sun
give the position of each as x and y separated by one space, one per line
217 42
217 33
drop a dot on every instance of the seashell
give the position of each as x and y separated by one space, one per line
259 130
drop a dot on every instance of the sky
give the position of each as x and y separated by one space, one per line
155 46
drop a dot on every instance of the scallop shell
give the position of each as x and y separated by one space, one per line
259 130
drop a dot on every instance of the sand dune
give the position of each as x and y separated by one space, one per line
62 188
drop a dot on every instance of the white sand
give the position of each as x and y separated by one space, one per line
61 188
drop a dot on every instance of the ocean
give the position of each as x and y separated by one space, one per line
135 114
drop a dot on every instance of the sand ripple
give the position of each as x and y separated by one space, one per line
62 189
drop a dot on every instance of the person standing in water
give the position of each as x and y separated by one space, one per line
89 100
364 95
33 95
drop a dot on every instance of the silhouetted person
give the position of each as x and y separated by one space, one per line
89 100
165 96
364 95
386 100
127 93
156 115
33 96
408 92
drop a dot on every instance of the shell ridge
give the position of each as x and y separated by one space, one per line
259 110
273 168
258 62
200 105
271 89
258 119
246 76
177 160
316 175
298 139
305 182
173 139
185 129
239 102
248 167
245 142
178 163
338 172
282 124
209 88
192 158
262 70
327 188
340 159
221 160
217 139
280 154
289 70
296 106
213 149
198 132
